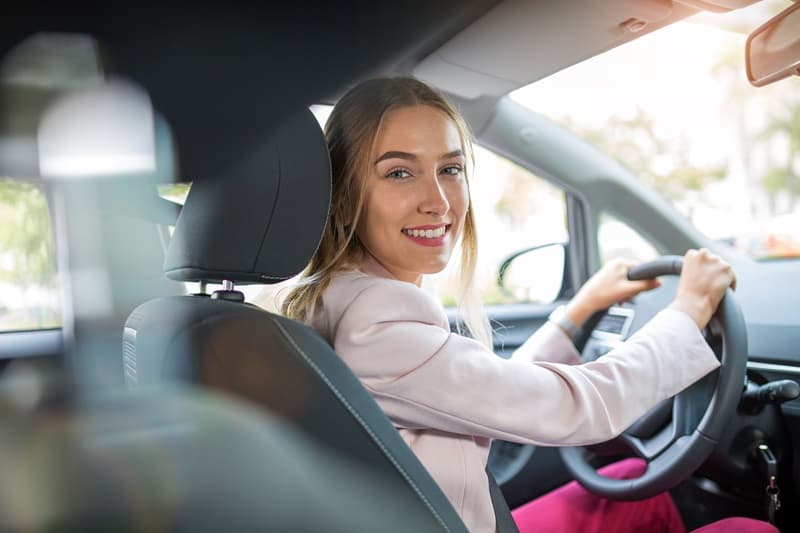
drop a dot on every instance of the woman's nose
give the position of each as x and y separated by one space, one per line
434 200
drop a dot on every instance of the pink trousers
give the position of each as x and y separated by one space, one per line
573 508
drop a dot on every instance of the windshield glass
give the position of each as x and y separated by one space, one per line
675 107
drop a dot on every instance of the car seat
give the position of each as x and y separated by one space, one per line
261 224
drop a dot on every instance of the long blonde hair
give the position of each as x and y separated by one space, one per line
351 131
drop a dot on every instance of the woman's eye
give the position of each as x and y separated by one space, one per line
452 170
398 173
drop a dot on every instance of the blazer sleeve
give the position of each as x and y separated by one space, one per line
392 336
548 343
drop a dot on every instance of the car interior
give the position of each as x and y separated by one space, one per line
166 399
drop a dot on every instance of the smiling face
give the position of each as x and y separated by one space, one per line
416 192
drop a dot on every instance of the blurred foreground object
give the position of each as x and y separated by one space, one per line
177 460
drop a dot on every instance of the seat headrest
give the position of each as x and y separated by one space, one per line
264 221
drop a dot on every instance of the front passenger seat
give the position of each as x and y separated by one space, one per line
262 224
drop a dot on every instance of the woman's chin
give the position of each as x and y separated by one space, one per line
433 268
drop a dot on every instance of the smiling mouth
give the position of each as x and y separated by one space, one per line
427 233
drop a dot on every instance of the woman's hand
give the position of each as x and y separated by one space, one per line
607 286
704 279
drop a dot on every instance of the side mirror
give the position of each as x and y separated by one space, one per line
773 49
534 274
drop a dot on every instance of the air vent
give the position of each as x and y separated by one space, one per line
616 322
612 324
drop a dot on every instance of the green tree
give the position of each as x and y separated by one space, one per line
662 163
27 259
25 236
781 175
174 192
783 124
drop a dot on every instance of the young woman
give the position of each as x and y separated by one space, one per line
400 204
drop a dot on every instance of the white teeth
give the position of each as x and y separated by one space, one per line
426 233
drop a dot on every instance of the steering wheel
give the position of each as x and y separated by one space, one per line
674 448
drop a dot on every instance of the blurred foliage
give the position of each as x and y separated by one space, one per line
783 174
26 240
174 192
27 256
494 295
636 145
763 126
519 192
782 103
524 195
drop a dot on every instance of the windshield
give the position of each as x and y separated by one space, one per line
675 107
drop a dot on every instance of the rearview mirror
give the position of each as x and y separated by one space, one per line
773 49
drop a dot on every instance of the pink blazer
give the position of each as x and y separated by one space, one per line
449 396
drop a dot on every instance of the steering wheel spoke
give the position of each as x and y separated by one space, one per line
690 405
650 448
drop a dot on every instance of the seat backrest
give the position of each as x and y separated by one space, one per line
261 224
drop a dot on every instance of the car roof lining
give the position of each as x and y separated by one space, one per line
200 65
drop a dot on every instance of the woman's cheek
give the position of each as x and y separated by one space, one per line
461 202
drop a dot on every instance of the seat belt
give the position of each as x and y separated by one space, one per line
502 515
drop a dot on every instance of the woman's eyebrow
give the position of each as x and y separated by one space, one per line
396 155
454 153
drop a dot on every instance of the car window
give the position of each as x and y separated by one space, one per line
29 298
514 210
617 239
675 107
174 192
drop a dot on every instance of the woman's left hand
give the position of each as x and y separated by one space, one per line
608 286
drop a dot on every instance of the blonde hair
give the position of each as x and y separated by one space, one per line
351 131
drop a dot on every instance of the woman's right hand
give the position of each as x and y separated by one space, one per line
704 279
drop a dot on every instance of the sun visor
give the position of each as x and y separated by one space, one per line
514 45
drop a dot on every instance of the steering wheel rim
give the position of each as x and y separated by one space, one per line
672 455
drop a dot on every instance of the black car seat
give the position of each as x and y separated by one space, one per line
261 224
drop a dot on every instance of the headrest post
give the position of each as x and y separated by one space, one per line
228 293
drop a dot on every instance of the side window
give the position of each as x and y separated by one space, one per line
515 210
617 239
175 192
29 297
